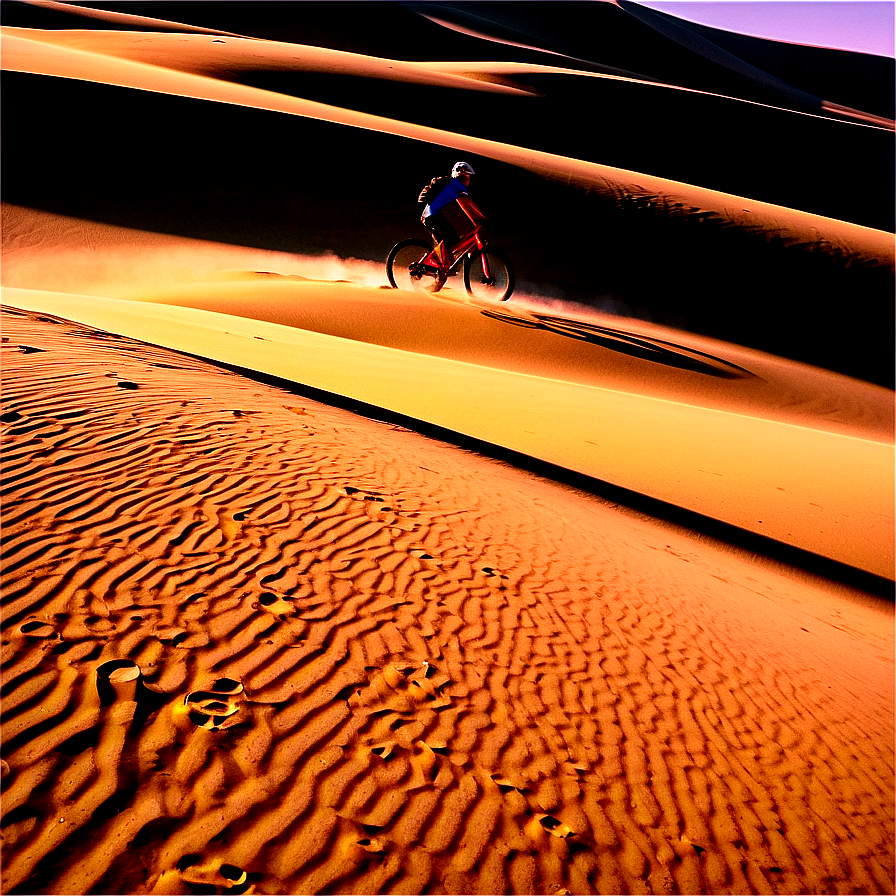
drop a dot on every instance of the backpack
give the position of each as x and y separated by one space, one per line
433 188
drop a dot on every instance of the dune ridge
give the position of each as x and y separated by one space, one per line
580 215
532 334
388 676
21 53
71 12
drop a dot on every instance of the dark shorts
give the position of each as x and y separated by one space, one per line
438 225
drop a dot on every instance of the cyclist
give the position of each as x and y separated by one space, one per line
435 221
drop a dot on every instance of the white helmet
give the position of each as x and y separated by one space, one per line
462 168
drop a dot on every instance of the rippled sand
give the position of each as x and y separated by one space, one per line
371 662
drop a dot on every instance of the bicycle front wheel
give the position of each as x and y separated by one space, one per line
403 266
488 275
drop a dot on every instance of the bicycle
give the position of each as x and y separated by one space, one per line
414 264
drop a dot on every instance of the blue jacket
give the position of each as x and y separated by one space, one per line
449 194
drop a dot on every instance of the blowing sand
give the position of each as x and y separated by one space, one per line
315 586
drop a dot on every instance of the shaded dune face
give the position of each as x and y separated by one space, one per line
294 189
252 643
672 106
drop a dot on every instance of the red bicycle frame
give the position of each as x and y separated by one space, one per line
470 242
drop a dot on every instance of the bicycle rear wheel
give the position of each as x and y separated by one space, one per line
497 285
402 266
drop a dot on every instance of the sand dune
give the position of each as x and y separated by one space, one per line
315 586
86 56
822 491
165 120
345 298
778 449
370 662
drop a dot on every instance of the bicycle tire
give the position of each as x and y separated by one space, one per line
400 256
503 278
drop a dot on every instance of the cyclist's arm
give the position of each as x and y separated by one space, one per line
471 210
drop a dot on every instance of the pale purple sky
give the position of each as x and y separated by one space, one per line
863 25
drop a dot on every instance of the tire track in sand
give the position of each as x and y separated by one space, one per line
252 646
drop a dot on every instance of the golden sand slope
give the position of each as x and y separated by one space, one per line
369 662
781 449
826 490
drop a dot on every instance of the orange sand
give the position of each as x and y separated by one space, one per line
253 642
823 489
453 676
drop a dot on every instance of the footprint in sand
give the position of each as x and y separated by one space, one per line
117 680
37 629
212 876
373 498
215 708
275 604
394 701
426 560
228 686
232 875
506 785
419 682
180 637
425 766
555 827
543 823
371 844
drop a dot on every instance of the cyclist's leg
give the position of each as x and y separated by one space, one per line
445 236
431 223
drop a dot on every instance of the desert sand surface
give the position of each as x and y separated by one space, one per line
821 491
311 585
353 659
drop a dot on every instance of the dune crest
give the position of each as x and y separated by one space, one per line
28 50
121 19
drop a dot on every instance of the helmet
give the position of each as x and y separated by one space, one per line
462 168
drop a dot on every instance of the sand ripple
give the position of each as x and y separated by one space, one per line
252 643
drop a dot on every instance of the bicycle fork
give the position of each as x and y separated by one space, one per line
486 273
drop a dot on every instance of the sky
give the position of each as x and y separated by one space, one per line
863 25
